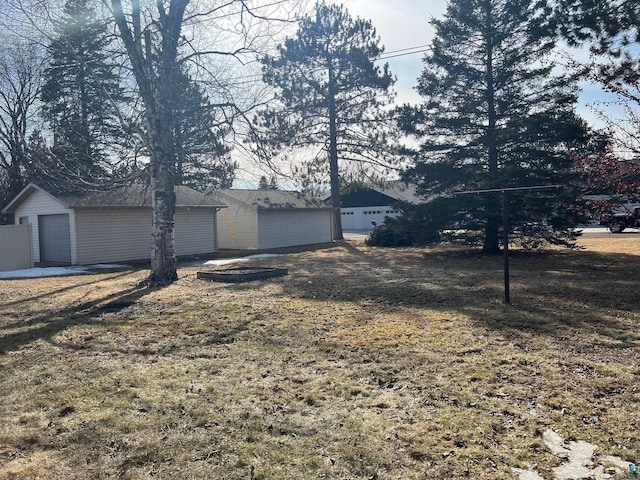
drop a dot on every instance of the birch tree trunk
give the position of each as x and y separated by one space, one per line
155 73
152 49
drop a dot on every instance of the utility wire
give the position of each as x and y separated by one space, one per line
405 49
404 52
246 79
385 57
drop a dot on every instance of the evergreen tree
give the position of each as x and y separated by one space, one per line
611 28
79 95
611 25
202 159
330 93
494 116
264 184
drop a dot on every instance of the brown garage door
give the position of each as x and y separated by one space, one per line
54 237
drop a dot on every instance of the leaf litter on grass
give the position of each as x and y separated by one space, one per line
363 363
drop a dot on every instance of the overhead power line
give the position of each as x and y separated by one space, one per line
405 49
385 57
248 79
404 52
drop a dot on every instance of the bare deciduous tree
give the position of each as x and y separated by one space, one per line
214 41
20 81
157 40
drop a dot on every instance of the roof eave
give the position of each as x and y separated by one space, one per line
145 206
25 192
291 209
202 206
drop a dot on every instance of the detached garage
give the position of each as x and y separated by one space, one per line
362 208
112 226
267 219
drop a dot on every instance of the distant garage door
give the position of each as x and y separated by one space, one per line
54 237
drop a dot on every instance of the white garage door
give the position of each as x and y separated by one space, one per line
54 237
363 218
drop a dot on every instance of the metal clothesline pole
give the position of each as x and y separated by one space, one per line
505 247
505 223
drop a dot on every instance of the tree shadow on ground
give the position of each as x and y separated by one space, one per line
556 293
56 292
46 325
59 291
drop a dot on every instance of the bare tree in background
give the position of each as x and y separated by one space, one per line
214 41
157 40
611 31
20 81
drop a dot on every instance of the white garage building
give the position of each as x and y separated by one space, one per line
363 207
112 226
268 219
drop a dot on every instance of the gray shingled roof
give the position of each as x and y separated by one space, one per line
140 196
403 192
272 199
133 196
397 190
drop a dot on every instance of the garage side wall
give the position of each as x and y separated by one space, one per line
39 203
294 227
237 227
113 235
195 231
108 235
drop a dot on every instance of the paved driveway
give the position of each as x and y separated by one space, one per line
357 235
603 232
591 231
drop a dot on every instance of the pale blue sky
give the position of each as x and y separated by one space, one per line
405 23
400 24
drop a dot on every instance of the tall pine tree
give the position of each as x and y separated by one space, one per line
330 93
495 115
202 159
611 29
80 95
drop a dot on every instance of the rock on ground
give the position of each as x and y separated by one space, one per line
579 460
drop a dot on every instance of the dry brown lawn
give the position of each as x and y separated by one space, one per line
363 363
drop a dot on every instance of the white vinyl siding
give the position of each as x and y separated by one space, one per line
40 203
195 231
122 234
293 227
113 234
237 227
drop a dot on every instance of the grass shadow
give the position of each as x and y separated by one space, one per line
59 291
554 293
48 324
